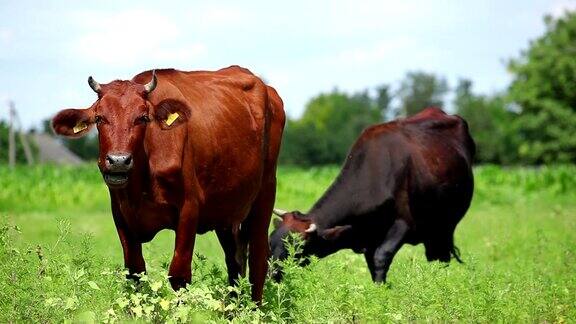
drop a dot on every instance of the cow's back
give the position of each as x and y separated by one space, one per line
440 147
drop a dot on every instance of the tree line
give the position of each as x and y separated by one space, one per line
533 121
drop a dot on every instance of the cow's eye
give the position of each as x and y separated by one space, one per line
98 120
142 119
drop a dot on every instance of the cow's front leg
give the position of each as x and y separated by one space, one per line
385 252
369 256
180 269
131 247
133 259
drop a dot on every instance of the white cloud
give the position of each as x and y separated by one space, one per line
6 35
73 95
353 17
4 101
221 16
301 47
132 37
180 54
375 53
559 8
278 79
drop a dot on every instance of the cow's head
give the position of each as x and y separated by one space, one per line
319 242
121 114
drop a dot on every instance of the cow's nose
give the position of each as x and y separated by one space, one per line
119 162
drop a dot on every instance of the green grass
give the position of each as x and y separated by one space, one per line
61 260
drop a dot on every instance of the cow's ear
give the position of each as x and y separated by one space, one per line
73 122
170 113
335 232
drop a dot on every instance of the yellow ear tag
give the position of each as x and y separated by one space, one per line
171 118
79 127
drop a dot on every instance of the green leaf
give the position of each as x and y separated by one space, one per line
137 311
156 285
165 304
93 285
70 303
79 274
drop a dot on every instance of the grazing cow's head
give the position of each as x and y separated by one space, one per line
121 115
316 242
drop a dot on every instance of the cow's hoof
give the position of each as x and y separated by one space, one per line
178 282
379 279
135 276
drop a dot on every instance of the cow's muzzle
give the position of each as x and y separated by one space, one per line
116 169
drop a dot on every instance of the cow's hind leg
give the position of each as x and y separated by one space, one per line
441 247
385 252
234 245
258 222
439 241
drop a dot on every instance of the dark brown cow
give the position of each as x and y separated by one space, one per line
407 181
191 152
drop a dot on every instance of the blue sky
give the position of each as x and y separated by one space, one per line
302 48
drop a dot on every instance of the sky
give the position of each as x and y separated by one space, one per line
302 48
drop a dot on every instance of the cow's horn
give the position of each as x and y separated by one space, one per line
279 212
94 85
312 228
150 86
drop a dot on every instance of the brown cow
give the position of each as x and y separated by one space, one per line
191 152
406 181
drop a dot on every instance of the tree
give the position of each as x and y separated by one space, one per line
544 87
490 124
330 124
419 90
383 100
85 147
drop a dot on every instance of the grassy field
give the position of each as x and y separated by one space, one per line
61 260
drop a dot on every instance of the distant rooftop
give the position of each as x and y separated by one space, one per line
50 150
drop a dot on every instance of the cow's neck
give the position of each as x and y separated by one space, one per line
335 207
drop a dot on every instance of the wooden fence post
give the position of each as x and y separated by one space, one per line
11 140
23 139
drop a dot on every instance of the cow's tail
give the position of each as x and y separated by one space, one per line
442 248
455 252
